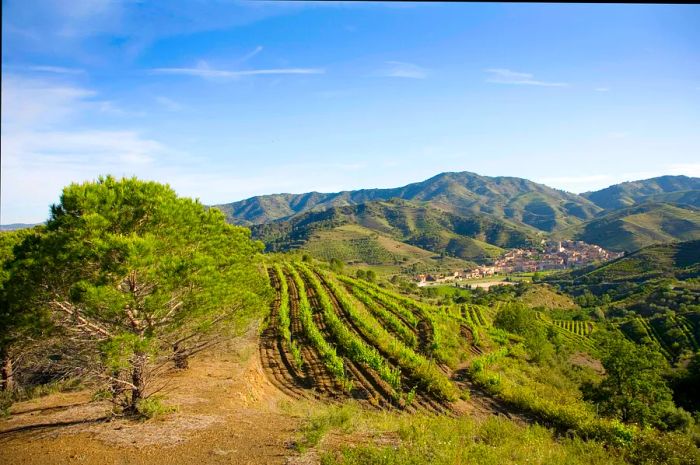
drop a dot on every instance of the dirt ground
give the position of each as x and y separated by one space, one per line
228 412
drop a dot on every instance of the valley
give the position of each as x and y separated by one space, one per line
345 327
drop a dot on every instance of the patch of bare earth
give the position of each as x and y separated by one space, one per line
582 359
228 412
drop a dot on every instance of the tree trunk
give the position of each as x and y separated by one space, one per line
180 358
8 375
116 388
182 361
138 379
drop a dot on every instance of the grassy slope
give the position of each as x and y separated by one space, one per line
657 261
469 237
632 228
358 245
544 296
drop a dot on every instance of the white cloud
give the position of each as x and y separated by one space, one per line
401 69
44 148
55 69
36 165
506 76
36 102
203 70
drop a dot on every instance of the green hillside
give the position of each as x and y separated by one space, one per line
516 200
652 296
635 227
678 260
357 245
469 237
658 189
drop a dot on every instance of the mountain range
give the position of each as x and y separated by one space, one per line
514 199
472 217
469 217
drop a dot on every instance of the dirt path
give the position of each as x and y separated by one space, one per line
229 412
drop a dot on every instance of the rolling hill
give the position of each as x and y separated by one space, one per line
677 189
469 237
632 228
472 217
516 200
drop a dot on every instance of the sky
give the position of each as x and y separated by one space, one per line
224 100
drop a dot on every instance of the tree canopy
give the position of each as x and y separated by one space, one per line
142 272
634 389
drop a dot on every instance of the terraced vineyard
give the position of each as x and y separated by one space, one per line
671 334
476 315
576 332
580 328
334 337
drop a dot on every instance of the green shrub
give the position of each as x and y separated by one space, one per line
153 407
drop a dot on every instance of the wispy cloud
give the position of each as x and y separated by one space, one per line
36 102
602 89
251 54
203 70
400 69
55 69
43 150
506 76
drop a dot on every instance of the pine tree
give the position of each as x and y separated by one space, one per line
147 275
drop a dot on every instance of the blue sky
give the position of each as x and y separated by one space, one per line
225 100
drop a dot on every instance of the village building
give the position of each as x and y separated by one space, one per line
553 255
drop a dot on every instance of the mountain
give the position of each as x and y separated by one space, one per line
475 237
632 228
16 226
677 189
515 200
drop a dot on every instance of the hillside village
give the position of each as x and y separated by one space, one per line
552 255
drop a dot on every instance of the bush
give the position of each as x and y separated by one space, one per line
152 407
514 318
